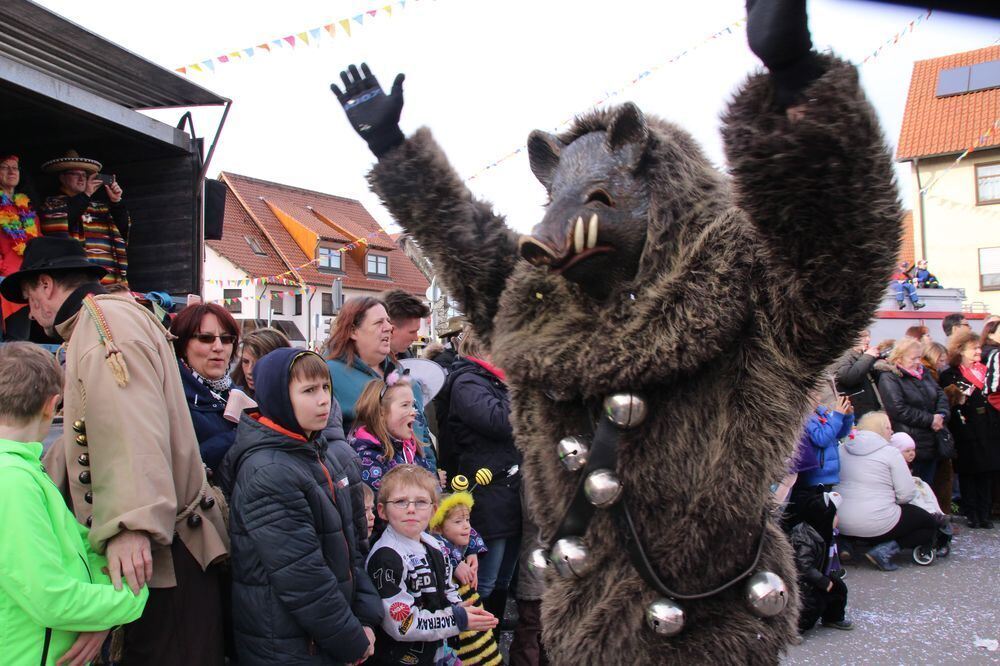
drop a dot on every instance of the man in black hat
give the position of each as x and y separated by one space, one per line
129 460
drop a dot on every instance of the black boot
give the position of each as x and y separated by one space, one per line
496 604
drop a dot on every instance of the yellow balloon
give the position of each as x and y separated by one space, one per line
484 476
460 483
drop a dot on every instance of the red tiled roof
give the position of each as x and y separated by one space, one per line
234 247
942 126
347 213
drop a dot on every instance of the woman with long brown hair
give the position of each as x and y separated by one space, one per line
357 351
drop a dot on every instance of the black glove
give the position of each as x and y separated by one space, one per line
778 34
373 114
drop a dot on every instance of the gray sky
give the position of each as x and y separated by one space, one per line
483 73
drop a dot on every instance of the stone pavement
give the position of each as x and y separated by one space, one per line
917 615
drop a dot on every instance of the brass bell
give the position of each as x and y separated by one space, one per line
90 520
766 593
194 520
207 502
84 459
573 453
88 497
665 617
569 556
625 410
85 477
602 488
81 440
79 426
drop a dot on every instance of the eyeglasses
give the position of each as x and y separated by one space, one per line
209 338
404 504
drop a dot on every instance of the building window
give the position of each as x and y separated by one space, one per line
329 259
235 305
255 246
298 304
278 302
327 304
989 269
378 265
988 183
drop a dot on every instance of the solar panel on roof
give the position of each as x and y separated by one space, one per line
953 81
984 76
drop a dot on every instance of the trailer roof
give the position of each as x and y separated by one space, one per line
32 36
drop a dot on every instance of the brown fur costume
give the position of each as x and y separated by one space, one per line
745 291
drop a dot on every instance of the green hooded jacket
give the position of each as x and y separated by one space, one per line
51 583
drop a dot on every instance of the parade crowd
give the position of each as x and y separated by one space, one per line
222 497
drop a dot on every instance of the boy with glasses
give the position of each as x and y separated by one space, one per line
414 578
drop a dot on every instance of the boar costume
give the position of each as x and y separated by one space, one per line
677 305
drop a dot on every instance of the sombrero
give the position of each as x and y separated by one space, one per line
71 160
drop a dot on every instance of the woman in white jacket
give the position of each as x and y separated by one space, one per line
877 486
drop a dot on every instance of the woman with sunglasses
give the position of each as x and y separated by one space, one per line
207 339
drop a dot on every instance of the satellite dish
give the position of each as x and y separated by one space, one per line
428 373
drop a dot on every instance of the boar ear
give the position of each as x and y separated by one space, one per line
628 126
543 155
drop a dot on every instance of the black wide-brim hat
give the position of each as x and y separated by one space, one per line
51 256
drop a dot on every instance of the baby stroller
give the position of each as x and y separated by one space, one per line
853 548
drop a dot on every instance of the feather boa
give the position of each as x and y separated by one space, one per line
18 220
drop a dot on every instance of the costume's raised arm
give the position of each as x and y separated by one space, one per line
811 170
470 246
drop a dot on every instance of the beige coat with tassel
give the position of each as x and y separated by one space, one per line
129 457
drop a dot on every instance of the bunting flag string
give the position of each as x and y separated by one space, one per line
963 207
730 29
983 138
304 38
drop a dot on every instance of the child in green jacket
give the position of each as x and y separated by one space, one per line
56 603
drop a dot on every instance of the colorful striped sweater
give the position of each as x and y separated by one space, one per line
100 227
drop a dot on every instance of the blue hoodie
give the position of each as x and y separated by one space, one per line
825 429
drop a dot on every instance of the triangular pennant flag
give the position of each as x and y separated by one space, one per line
387 9
314 33
278 43
196 67
249 52
223 58
303 37
235 54
346 25
372 12
360 18
209 64
291 40
265 46
329 27
402 4
181 70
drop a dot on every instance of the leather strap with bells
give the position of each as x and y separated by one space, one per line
603 455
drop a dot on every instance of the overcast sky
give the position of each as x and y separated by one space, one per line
483 73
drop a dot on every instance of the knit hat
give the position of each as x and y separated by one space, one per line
449 502
902 441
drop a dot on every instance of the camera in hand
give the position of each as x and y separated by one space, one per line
884 354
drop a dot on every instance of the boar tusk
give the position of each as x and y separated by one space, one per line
578 236
592 232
